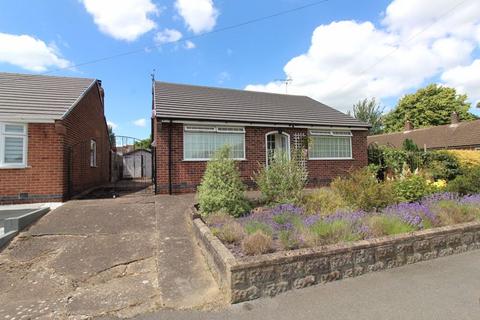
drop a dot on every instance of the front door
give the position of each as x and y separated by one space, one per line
277 143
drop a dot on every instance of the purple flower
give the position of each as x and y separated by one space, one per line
413 213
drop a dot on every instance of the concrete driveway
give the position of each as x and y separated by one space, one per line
118 257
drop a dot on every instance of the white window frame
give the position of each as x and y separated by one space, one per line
93 148
332 133
23 135
215 129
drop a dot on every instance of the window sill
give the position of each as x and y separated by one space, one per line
21 166
206 160
331 159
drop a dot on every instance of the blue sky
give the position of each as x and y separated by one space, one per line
337 52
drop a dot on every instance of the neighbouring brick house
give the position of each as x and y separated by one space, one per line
54 140
456 135
190 122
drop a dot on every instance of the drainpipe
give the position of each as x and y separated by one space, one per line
170 191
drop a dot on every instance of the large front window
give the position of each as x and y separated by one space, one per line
13 145
201 142
327 144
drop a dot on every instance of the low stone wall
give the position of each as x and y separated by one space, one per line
270 274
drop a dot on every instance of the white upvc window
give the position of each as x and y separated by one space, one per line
330 145
93 153
13 145
201 142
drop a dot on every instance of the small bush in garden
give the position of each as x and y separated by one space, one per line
257 243
282 181
221 188
290 239
451 212
466 158
362 190
441 165
323 201
387 225
467 183
219 218
324 232
230 232
413 188
253 226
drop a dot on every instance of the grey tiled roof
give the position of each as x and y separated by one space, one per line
39 98
188 102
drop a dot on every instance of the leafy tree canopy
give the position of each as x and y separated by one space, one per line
143 144
429 106
111 136
369 111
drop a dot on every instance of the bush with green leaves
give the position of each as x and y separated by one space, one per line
362 190
413 188
466 183
323 201
441 165
221 188
282 181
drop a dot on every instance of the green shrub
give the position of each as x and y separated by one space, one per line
282 181
467 183
450 212
221 188
289 239
253 226
257 243
413 188
387 225
323 201
441 165
322 232
362 190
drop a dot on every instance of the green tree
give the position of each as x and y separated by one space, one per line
429 106
111 136
143 144
369 111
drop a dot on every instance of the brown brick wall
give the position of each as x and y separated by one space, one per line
42 180
85 122
186 175
50 173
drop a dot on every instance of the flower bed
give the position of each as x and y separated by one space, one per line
287 227
266 275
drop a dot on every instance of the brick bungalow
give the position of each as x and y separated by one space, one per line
456 135
190 122
54 139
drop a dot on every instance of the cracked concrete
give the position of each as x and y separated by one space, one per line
117 257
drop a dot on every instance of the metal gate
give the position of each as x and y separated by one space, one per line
123 168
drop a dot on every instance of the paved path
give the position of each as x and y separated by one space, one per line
443 289
118 257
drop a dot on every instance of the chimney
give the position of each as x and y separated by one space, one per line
102 92
408 125
454 118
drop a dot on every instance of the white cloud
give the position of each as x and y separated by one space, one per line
123 20
350 60
112 124
223 76
167 36
466 79
189 45
29 53
199 15
140 122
